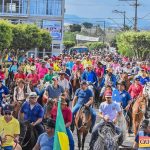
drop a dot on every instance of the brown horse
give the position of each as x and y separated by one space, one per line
138 111
83 123
75 81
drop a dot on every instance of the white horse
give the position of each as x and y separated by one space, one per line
146 92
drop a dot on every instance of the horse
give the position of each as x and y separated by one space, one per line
28 136
138 111
146 92
75 80
83 124
107 140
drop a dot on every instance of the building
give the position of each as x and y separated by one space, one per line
47 14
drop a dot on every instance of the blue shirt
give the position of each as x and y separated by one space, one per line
144 80
3 90
83 95
69 65
33 114
13 68
122 97
45 142
89 76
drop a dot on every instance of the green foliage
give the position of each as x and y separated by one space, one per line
33 36
5 34
75 28
22 37
19 37
69 44
88 25
70 36
95 45
134 44
46 39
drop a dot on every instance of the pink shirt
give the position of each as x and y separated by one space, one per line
77 67
2 75
42 72
135 90
99 72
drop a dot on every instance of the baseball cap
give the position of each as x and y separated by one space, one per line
50 123
83 82
55 78
108 94
8 108
33 94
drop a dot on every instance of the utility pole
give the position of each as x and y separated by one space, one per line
124 17
136 5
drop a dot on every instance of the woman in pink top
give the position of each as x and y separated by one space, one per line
2 73
99 70
78 66
42 71
135 89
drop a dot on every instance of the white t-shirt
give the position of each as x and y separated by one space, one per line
110 110
64 83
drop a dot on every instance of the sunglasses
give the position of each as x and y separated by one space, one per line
7 113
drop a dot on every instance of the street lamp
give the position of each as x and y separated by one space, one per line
124 15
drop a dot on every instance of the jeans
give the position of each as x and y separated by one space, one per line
77 107
39 128
129 114
95 134
8 148
70 137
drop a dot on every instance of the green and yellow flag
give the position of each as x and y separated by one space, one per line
61 141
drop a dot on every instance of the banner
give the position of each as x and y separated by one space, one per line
87 38
144 141
55 29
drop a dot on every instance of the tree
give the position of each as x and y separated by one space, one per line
69 44
75 28
95 45
5 35
19 37
69 36
88 25
134 44
46 39
34 39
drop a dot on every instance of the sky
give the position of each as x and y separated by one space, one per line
103 9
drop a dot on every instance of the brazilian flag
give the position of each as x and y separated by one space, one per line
61 141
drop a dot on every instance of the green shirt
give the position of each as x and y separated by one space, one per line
48 77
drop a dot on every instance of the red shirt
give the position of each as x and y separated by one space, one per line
67 114
135 90
99 72
34 78
2 75
20 76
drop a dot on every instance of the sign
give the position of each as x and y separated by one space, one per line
87 38
144 141
55 29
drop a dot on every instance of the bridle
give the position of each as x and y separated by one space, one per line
24 139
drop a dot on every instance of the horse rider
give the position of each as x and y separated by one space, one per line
19 75
99 70
34 80
42 70
9 129
144 133
109 111
20 91
108 79
78 66
46 140
143 77
135 88
14 67
33 112
67 115
89 75
48 77
55 90
83 96
121 96
3 92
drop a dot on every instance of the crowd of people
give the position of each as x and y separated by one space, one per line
116 81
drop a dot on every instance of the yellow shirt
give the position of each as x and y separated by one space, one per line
56 67
85 63
11 128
